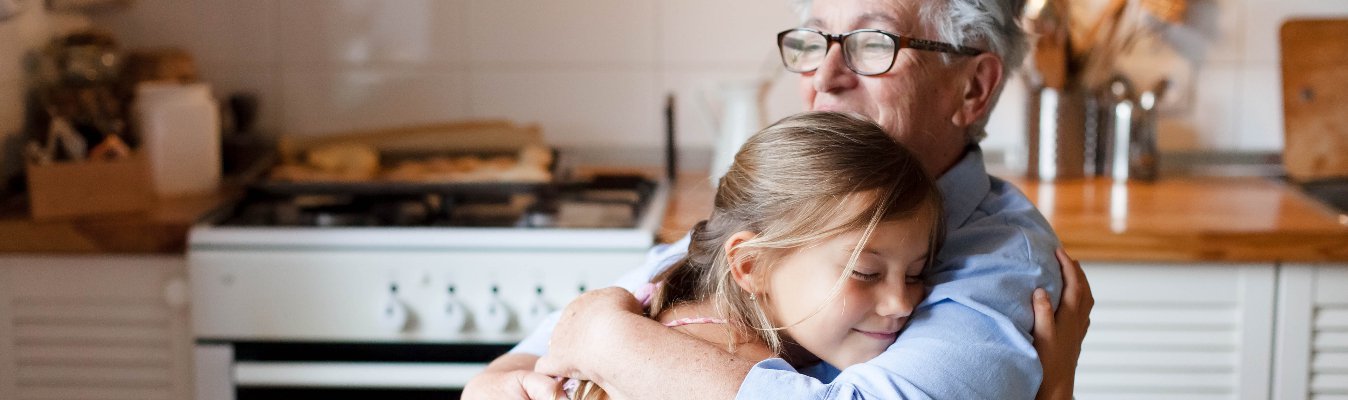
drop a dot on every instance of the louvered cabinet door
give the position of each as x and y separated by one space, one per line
1312 338
94 328
1178 332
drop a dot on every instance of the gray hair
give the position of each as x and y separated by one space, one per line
990 24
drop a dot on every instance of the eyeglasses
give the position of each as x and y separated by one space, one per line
867 51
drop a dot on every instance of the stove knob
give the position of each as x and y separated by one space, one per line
538 310
495 319
393 314
456 315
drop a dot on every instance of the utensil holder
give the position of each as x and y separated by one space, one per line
1057 132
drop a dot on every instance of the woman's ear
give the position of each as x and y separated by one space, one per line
741 267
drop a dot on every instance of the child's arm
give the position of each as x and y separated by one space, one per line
634 359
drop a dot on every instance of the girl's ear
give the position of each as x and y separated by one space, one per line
742 268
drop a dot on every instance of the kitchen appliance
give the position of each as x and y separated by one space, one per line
398 290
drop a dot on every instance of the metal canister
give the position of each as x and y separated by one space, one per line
1127 132
1057 133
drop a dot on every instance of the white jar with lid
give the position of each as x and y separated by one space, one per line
179 127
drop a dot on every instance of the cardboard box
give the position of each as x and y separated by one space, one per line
69 189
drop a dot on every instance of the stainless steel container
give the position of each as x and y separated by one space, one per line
1057 133
1127 132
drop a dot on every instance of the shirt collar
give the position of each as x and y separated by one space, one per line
963 187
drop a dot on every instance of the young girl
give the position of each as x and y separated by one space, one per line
815 249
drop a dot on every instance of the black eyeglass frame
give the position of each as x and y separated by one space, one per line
901 42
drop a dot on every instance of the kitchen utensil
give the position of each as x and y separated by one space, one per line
1315 95
112 148
1109 18
1047 19
1143 155
1103 44
1169 11
671 145
63 137
167 64
87 57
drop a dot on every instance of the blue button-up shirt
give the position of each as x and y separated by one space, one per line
970 338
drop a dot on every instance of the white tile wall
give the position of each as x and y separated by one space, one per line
614 108
332 35
548 35
1212 121
722 34
595 73
1266 17
1260 107
233 33
324 102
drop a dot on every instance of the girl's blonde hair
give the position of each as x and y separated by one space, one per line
792 184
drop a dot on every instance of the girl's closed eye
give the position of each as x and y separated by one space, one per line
915 272
863 276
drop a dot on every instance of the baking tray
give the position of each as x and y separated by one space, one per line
388 187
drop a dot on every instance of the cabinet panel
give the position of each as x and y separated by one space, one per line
1329 356
93 328
1177 332
1312 342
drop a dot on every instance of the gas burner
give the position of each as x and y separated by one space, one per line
611 201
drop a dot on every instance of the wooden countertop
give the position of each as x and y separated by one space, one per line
1173 220
161 230
1185 219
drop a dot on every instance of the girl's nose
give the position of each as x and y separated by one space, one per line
895 301
833 74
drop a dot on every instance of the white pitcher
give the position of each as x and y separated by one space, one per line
742 113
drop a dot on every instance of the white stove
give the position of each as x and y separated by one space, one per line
312 303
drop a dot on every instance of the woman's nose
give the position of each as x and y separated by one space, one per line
833 74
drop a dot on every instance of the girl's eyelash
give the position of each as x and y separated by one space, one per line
864 276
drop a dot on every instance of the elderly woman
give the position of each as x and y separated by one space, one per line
929 72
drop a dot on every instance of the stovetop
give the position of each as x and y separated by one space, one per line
606 201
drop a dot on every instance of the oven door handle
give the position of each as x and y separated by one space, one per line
355 375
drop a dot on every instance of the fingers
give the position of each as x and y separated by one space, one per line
548 365
541 387
1076 289
556 366
1043 315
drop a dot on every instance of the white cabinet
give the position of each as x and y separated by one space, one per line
1192 331
1312 341
97 327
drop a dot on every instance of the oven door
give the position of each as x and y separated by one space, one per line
300 370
